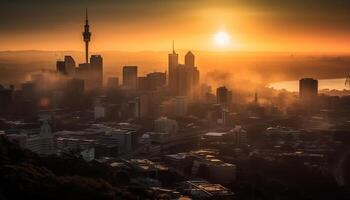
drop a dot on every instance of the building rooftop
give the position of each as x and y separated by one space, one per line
146 165
215 134
209 188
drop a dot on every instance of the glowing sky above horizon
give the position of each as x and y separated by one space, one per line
136 25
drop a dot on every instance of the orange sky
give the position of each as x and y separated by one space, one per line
254 25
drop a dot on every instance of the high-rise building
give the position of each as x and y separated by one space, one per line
173 62
223 96
130 77
308 89
183 79
142 106
96 64
142 83
112 82
5 99
189 59
75 87
69 65
47 144
156 80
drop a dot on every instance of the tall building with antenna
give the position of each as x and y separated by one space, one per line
90 72
173 62
86 36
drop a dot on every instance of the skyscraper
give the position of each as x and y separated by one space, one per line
96 64
183 78
189 59
173 62
308 89
156 80
86 37
223 96
47 144
130 77
69 65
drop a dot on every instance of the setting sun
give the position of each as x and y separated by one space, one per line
222 38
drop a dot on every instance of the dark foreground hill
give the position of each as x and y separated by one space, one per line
24 175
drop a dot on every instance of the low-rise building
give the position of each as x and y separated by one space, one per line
205 190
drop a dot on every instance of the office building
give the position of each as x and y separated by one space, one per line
5 99
130 77
96 64
173 62
120 138
166 125
142 83
308 89
189 59
42 143
223 96
183 78
112 82
69 65
156 80
47 143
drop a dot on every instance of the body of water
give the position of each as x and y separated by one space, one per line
293 86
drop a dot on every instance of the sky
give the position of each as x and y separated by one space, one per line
151 25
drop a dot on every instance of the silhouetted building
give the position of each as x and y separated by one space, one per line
75 87
130 77
173 62
308 89
96 64
142 83
5 99
189 59
156 80
183 79
69 65
223 96
29 89
61 67
112 82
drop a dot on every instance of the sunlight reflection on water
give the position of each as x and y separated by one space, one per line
293 86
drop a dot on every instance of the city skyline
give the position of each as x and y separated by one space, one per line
120 26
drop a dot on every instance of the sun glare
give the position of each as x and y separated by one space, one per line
222 38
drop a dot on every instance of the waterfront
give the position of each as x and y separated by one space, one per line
293 86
